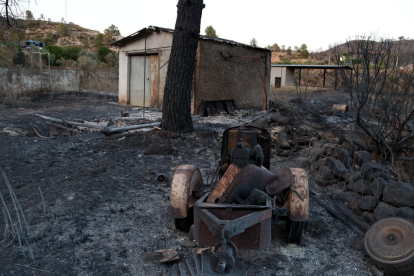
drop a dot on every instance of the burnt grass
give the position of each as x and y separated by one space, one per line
103 206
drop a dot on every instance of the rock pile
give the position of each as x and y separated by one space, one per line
368 188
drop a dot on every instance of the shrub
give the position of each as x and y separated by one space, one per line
63 29
102 52
86 64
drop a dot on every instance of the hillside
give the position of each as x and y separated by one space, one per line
406 51
59 34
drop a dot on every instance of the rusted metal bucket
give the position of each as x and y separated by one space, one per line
340 107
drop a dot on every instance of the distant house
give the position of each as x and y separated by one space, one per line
284 74
225 70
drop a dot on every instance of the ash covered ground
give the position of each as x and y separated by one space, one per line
103 207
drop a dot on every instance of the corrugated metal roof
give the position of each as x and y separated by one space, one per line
126 39
312 66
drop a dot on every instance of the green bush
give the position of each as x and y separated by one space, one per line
102 52
49 41
63 29
19 58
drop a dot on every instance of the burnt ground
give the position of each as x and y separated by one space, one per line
103 206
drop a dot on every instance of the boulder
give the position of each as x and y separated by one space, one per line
329 147
317 152
354 176
280 119
383 211
260 122
325 173
335 141
342 155
367 203
349 146
321 182
362 156
356 140
370 170
400 194
337 168
405 212
367 217
361 186
377 186
350 199
282 140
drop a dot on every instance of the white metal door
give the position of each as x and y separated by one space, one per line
136 80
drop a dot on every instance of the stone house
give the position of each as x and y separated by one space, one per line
225 70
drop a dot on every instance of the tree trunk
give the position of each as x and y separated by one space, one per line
176 111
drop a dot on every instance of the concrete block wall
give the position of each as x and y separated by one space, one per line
30 80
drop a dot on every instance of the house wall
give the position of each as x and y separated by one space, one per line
29 80
239 78
156 43
286 73
289 76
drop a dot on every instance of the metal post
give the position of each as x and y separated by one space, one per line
300 74
145 67
324 78
336 78
264 104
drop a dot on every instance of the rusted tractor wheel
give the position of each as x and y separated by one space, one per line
298 205
186 179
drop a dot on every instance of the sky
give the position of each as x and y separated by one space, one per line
317 23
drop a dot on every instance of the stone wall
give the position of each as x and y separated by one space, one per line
369 188
30 80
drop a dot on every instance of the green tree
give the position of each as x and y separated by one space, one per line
303 51
72 52
98 41
49 41
57 52
289 50
86 64
113 30
210 31
18 35
29 15
112 60
107 38
276 48
102 52
63 29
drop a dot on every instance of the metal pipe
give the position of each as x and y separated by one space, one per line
109 130
145 67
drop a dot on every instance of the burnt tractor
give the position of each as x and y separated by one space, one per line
239 211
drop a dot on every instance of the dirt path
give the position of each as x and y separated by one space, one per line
103 206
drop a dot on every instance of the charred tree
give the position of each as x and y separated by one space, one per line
176 111
9 11
381 89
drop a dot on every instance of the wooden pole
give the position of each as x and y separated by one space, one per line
324 77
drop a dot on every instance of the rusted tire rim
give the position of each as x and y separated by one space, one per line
298 210
186 179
